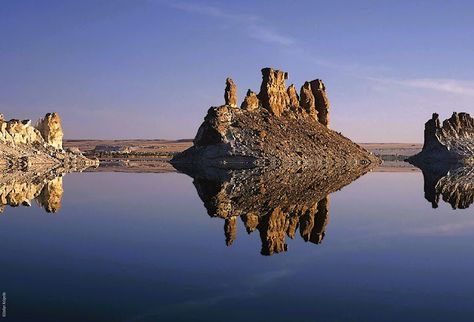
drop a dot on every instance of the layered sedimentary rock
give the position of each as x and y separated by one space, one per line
23 145
275 202
449 142
275 128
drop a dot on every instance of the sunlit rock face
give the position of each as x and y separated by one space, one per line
276 202
454 185
275 127
230 94
449 142
51 130
25 146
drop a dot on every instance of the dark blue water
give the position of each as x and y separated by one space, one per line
141 247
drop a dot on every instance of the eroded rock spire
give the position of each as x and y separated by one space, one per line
321 101
230 94
250 102
273 95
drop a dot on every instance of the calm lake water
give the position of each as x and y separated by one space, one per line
141 247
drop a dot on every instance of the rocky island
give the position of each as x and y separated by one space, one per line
23 145
450 142
276 127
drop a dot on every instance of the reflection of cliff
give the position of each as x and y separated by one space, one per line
40 183
454 185
275 202
20 188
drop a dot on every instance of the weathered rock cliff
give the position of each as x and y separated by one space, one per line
275 127
24 146
450 142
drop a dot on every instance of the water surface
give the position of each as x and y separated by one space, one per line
142 247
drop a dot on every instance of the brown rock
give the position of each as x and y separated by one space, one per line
273 95
321 101
250 102
307 101
294 99
230 94
51 130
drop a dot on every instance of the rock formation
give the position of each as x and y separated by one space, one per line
321 101
276 128
307 101
273 95
294 104
450 142
23 145
251 101
51 130
230 94
276 202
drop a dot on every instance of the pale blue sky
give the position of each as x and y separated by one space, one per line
152 68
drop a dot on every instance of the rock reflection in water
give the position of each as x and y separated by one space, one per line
454 184
20 188
275 202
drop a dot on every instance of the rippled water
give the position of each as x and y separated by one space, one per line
142 247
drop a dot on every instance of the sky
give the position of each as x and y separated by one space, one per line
152 68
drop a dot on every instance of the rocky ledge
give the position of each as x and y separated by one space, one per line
451 142
24 146
275 127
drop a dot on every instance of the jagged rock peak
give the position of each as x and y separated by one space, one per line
51 130
294 99
273 95
307 101
251 101
230 94
321 101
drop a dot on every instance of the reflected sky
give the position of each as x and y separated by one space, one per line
141 247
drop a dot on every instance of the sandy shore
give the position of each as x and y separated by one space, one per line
153 155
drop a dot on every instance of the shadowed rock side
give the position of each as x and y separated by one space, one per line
275 127
451 142
455 185
25 146
43 184
275 202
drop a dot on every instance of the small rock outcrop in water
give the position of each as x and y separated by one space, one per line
25 146
449 142
275 127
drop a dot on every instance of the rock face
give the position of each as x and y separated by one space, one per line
24 146
276 130
250 102
273 95
321 101
275 202
450 142
230 94
307 101
51 130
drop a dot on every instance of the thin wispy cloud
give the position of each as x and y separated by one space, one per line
256 27
445 85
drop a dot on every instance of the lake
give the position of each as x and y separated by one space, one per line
142 247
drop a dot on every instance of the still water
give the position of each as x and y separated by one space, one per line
142 247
